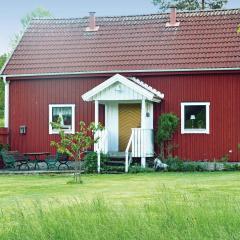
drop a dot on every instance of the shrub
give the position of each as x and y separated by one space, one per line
175 164
224 158
4 147
138 169
90 162
231 167
167 125
194 167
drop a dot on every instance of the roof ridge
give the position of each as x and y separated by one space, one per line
194 12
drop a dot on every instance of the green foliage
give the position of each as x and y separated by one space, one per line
138 169
175 164
39 12
231 167
4 147
74 145
164 5
90 162
2 119
112 169
3 59
2 62
167 125
224 158
196 207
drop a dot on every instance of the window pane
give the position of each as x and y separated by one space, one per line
195 117
65 114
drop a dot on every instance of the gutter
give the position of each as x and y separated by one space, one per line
122 71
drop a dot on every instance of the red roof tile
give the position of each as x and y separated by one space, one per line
206 39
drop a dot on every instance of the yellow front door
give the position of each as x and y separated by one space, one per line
129 117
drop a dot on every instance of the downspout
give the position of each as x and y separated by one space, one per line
6 102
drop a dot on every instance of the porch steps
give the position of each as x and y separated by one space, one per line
116 163
116 155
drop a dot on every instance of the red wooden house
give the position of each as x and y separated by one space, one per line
125 71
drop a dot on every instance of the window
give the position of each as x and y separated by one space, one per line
195 117
66 112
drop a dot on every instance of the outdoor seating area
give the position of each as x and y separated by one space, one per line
34 161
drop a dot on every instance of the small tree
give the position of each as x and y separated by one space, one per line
74 145
167 125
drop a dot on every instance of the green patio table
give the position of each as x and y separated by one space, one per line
37 157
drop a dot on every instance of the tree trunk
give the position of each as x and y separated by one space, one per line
77 169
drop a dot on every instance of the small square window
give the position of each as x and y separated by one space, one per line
195 117
66 113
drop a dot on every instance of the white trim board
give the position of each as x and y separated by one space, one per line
118 71
195 131
6 102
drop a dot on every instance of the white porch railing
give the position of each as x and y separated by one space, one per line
142 143
127 159
101 146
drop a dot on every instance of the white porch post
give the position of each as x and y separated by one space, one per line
96 145
143 126
96 112
6 102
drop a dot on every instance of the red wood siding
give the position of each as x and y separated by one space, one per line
4 139
4 136
29 100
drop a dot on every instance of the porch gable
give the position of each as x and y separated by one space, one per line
120 88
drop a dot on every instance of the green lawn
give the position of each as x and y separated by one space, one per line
141 206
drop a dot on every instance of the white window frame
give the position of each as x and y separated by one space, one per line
52 131
193 131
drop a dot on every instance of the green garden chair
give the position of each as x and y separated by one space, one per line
8 160
11 159
60 158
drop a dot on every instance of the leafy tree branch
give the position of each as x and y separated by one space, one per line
74 145
164 5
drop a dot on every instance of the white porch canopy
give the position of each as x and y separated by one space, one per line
119 87
119 90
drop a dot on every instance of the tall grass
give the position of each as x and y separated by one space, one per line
163 218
